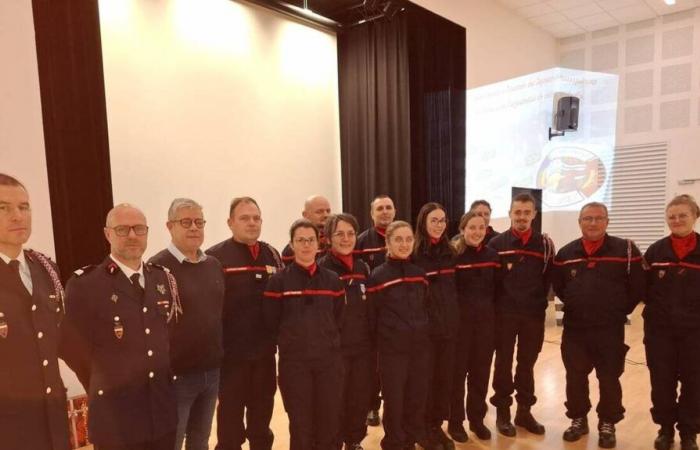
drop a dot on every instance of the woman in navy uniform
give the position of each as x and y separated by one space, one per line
672 326
433 253
398 310
355 339
477 267
32 396
303 309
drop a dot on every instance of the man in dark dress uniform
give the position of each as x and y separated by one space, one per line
248 375
371 247
317 208
115 338
32 397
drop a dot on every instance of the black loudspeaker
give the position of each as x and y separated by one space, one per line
567 114
537 194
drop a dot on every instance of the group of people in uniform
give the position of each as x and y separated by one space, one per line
341 321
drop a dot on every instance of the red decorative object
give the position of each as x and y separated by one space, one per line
78 418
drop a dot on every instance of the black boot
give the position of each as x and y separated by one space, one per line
578 428
429 444
439 436
480 430
503 421
606 435
664 441
457 431
373 419
524 418
688 441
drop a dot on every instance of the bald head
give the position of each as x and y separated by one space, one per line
317 208
119 210
127 233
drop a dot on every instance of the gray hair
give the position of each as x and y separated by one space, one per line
593 205
180 203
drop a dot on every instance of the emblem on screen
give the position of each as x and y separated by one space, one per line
569 175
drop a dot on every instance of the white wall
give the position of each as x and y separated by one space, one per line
21 128
658 62
500 44
212 99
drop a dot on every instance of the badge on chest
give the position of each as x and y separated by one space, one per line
4 328
118 328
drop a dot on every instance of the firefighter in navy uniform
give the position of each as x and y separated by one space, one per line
600 279
32 397
672 326
115 338
397 292
371 247
303 308
359 356
521 301
483 208
317 208
248 377
432 253
477 268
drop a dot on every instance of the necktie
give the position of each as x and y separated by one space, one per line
135 281
14 266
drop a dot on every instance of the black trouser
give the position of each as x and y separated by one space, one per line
312 393
405 383
166 442
440 390
375 401
673 356
604 350
529 333
473 357
246 390
360 371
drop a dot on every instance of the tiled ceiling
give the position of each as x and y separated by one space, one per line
563 18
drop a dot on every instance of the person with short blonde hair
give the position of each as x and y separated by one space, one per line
672 326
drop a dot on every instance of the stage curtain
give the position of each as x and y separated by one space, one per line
402 93
71 80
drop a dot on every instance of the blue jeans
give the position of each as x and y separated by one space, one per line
196 401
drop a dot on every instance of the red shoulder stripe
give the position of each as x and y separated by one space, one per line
478 265
379 287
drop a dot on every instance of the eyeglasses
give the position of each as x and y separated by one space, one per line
124 230
344 234
304 241
591 219
438 221
187 223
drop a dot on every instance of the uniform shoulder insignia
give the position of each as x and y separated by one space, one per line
83 270
158 266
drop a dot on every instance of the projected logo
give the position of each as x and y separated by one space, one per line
569 175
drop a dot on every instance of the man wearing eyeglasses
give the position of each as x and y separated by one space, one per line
32 396
115 338
196 348
600 280
248 374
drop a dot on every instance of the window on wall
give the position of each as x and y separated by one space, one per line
638 193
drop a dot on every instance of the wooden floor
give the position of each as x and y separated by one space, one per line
636 431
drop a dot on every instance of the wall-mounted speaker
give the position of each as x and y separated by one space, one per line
567 114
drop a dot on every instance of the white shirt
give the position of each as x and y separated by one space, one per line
181 256
128 271
24 273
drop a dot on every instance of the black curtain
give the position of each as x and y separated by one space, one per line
71 80
374 116
402 88
437 70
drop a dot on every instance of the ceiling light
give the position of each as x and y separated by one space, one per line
670 2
